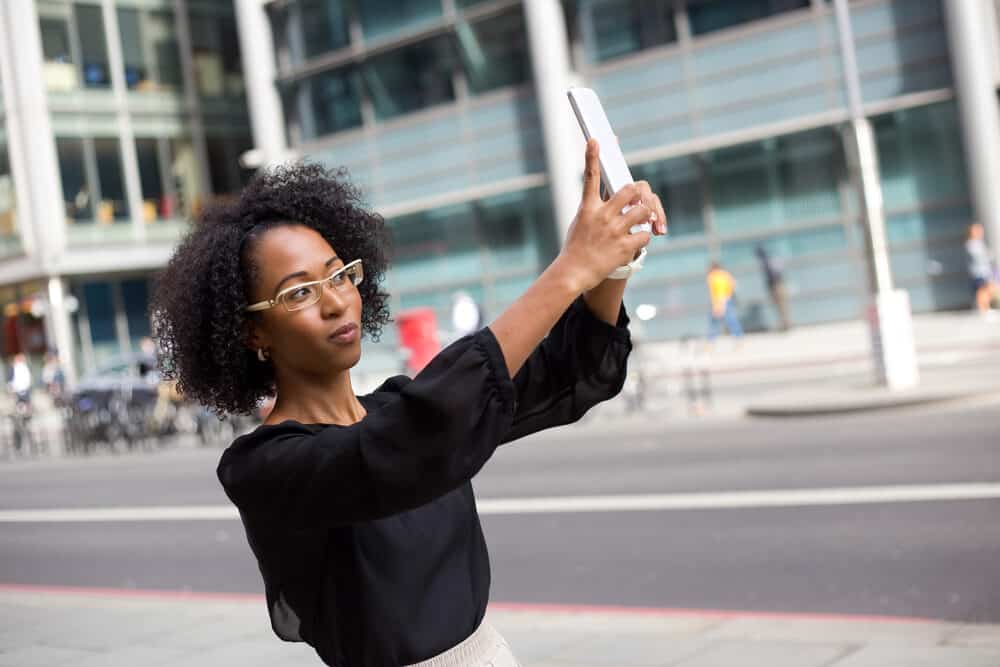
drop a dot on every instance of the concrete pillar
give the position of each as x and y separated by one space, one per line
192 102
973 65
564 142
41 216
889 316
126 138
58 321
259 71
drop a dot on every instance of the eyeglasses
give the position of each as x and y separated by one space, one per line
304 295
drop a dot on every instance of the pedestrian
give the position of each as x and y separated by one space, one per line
19 380
721 287
775 280
53 378
981 271
359 509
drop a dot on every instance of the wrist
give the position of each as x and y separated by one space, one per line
567 278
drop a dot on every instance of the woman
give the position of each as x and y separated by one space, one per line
984 284
359 509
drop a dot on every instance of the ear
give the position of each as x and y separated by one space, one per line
254 335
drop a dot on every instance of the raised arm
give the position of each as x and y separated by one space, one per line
597 243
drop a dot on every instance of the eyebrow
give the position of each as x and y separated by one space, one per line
299 274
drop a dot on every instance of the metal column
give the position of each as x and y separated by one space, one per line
564 143
259 72
889 318
972 60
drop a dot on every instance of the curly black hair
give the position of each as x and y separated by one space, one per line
197 309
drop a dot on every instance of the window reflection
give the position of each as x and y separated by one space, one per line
149 49
324 26
58 69
113 205
185 175
380 18
335 101
76 191
411 78
678 183
93 47
8 208
216 56
620 27
150 178
710 15
494 53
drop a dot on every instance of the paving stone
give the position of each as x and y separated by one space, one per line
42 656
974 635
634 649
922 656
727 653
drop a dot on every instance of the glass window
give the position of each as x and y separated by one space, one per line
185 174
920 156
383 17
135 299
336 102
220 168
59 70
100 312
710 15
136 73
151 179
324 26
493 52
93 47
776 182
436 246
507 223
164 52
410 78
114 203
76 190
216 56
8 208
678 183
620 27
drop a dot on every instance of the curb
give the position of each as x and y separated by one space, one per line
844 407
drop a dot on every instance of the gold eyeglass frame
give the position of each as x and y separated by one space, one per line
271 303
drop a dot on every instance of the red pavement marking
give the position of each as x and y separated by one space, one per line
497 606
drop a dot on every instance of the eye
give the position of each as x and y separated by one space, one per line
299 294
338 278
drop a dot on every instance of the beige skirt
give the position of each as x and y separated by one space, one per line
483 648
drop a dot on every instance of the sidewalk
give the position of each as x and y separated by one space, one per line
822 369
92 628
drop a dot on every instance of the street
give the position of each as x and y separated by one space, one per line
922 558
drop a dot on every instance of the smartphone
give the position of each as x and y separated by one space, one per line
594 123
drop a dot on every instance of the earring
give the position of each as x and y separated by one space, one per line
260 354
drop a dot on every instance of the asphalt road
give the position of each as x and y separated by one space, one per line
936 559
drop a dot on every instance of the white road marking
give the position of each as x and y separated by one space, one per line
567 504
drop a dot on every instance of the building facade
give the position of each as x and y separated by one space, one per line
734 110
120 119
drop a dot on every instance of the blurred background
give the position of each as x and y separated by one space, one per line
832 157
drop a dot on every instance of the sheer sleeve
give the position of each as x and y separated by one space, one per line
582 362
429 436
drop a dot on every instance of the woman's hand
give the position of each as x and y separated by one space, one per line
599 240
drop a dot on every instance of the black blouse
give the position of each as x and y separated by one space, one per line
367 535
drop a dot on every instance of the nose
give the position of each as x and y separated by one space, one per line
333 301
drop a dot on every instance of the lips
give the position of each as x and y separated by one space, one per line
345 330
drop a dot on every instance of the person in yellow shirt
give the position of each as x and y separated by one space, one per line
721 286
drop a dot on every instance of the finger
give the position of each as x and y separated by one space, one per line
624 197
592 172
638 241
636 215
661 216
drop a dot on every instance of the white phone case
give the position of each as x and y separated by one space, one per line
594 123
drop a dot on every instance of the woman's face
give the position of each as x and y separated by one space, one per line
302 342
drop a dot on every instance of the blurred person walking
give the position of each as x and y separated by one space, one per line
775 280
981 271
19 381
360 509
54 378
721 287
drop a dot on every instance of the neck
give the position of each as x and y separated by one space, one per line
313 400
